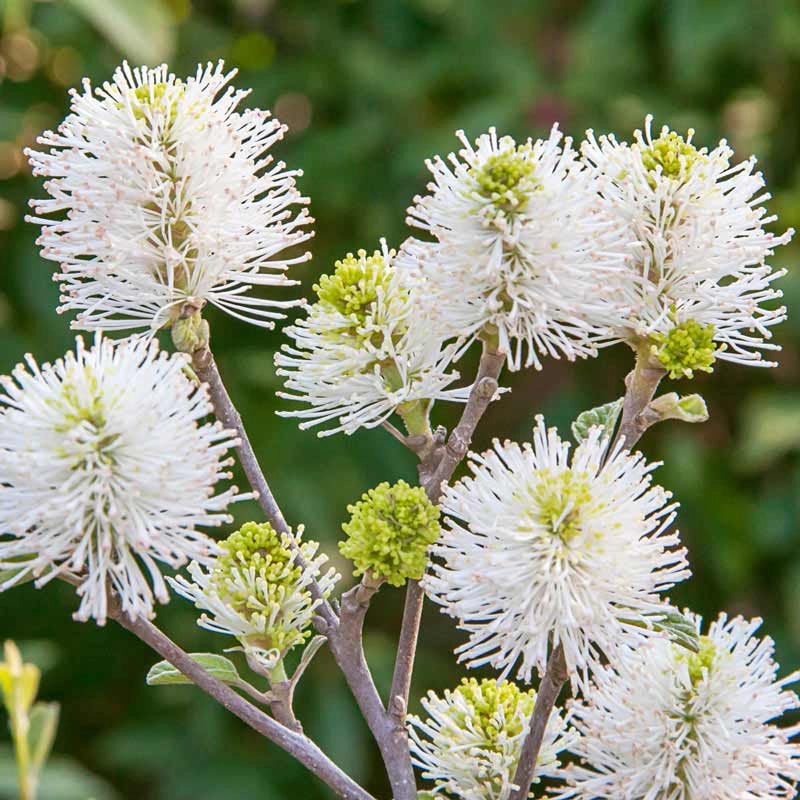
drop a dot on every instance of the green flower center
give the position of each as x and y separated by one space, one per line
154 97
673 154
560 499
701 660
507 178
259 548
685 348
494 708
389 532
354 286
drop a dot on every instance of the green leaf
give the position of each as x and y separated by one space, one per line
42 732
604 416
691 408
143 30
680 630
223 669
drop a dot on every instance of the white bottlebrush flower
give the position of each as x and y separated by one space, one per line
519 246
662 723
540 550
471 742
108 468
257 591
163 197
366 348
698 278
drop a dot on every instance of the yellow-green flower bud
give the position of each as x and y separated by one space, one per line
673 154
389 532
354 285
494 707
507 178
560 501
701 661
255 575
685 348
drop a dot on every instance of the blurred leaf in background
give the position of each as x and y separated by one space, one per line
369 89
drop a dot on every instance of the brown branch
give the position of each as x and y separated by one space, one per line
436 468
406 649
297 745
640 386
483 392
206 368
389 731
554 678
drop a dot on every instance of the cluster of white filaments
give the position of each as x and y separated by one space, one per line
162 194
366 348
540 550
470 744
698 249
258 590
107 468
664 723
520 246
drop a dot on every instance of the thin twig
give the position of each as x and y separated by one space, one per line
554 678
206 368
435 470
297 745
640 386
406 649
348 650
401 437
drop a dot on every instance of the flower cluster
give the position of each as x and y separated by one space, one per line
89 444
663 722
389 532
520 246
163 198
470 744
258 590
171 201
366 350
539 550
698 279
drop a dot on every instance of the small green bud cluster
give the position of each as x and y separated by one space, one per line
560 498
389 532
507 178
673 154
495 707
687 347
255 575
354 286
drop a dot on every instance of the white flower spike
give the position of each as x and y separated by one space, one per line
520 246
471 742
662 723
366 349
257 591
698 286
107 467
541 550
163 198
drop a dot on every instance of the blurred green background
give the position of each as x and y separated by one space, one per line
369 89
